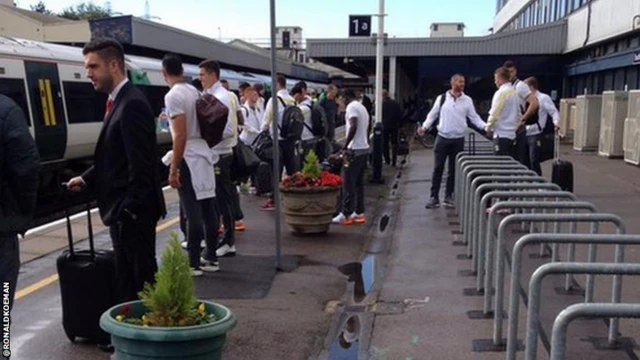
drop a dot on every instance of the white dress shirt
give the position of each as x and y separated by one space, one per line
230 133
268 112
547 108
453 116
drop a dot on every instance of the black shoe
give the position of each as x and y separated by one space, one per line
448 202
433 203
108 348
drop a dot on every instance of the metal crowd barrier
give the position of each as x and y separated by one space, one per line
559 331
481 179
516 273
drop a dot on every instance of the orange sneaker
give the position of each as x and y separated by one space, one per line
358 218
240 225
342 220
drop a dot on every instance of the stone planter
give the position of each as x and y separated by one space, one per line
199 342
309 210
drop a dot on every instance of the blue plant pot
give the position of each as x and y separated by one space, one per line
199 342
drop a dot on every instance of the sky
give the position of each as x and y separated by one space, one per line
249 19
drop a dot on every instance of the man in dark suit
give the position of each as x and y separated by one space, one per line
391 121
125 174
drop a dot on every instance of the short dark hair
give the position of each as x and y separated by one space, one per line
172 64
107 49
297 89
509 64
197 84
302 84
281 80
224 81
503 72
211 66
259 87
243 85
532 81
349 94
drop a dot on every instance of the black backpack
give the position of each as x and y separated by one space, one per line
318 120
433 130
292 122
534 118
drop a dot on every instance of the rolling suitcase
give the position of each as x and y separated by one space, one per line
263 178
561 170
87 288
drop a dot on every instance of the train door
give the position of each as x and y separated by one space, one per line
49 123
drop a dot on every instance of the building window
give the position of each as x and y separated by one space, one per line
562 8
14 88
84 104
620 79
435 27
632 77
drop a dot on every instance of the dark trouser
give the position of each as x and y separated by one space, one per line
134 246
288 157
445 148
534 153
390 135
521 150
183 220
225 194
202 219
353 185
503 146
9 263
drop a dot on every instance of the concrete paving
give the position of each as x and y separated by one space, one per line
423 263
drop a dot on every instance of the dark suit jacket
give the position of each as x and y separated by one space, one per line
391 114
125 174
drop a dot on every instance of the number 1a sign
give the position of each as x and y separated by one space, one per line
359 25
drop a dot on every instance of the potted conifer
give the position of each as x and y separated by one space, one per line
168 322
310 197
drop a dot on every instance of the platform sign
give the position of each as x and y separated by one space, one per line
359 25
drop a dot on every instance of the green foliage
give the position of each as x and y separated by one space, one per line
85 11
311 165
171 300
41 8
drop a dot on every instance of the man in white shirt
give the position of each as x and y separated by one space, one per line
528 111
225 189
307 140
546 109
288 153
504 114
452 125
253 114
356 153
191 161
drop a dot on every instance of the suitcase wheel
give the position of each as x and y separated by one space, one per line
71 337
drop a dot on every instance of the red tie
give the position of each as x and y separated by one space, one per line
109 106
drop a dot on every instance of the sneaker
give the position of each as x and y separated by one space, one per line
209 266
196 272
342 220
226 250
203 244
269 205
240 225
358 218
433 203
448 202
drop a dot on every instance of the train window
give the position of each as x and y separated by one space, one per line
14 88
84 104
155 95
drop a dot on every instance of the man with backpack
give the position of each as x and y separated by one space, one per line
536 131
451 110
315 124
289 123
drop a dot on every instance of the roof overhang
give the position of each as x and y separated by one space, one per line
139 32
548 39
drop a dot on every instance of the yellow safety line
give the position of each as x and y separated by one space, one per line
53 278
52 110
43 102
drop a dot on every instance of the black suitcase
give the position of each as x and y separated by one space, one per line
263 178
561 170
87 288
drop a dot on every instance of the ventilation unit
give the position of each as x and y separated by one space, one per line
566 105
631 143
586 136
615 106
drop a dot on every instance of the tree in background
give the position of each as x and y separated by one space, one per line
41 8
86 11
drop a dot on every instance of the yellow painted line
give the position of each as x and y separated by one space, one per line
52 110
53 278
43 102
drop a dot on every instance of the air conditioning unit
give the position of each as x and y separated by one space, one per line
566 107
586 136
631 143
615 105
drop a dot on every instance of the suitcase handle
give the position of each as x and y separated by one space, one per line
89 231
556 145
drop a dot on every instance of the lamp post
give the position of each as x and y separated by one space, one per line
376 176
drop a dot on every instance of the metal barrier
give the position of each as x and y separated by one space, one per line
498 183
469 165
500 256
465 160
535 288
559 332
493 213
516 272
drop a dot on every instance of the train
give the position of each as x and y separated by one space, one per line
65 113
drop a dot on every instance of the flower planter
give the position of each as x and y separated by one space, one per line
309 210
199 342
